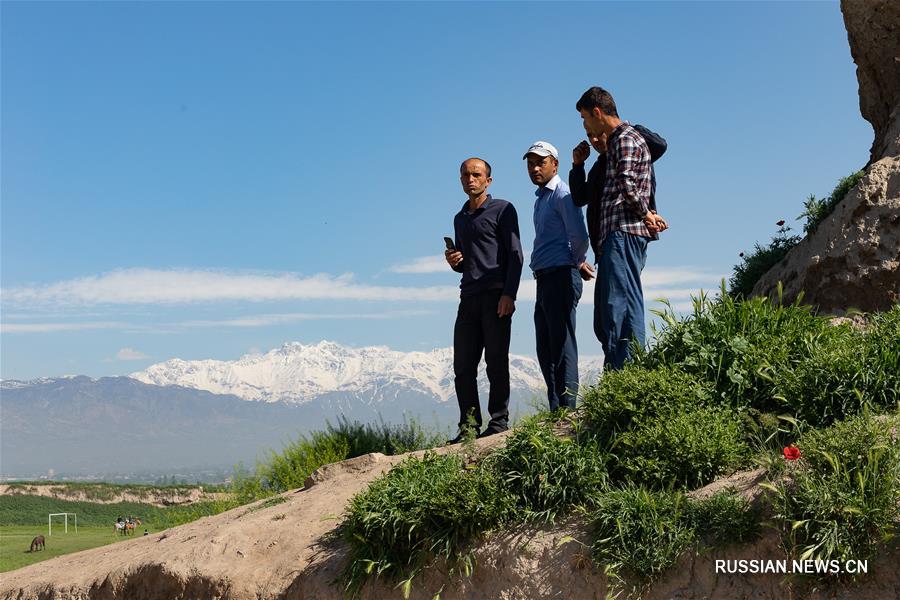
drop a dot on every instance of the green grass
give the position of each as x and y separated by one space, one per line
29 510
839 500
289 468
21 514
15 541
546 474
422 510
641 533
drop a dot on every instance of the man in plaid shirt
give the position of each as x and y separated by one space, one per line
626 226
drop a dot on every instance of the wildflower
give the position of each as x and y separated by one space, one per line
780 223
791 452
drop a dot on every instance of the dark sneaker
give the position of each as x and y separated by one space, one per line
459 438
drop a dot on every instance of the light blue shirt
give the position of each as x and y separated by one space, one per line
560 237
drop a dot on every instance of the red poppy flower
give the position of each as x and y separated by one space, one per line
791 453
780 223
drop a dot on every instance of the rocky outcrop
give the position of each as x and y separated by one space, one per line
853 259
873 29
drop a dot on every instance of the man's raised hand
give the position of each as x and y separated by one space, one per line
580 153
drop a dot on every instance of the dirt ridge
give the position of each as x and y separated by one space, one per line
289 551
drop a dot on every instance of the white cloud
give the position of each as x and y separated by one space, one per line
130 354
660 276
262 320
423 264
150 286
167 287
434 264
56 327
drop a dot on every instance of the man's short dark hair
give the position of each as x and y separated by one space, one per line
487 165
597 97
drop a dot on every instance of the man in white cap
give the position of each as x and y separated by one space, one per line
558 264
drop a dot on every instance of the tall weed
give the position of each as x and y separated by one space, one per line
681 449
815 210
839 500
739 347
546 474
634 394
423 509
643 532
289 468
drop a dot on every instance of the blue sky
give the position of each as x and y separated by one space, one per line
204 180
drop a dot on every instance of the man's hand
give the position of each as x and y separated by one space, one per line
580 153
454 258
586 271
506 306
655 223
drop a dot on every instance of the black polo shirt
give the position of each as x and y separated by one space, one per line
491 249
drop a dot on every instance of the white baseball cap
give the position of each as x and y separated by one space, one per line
542 149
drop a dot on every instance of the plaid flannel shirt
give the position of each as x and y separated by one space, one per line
626 192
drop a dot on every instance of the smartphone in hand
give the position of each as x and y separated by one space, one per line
449 243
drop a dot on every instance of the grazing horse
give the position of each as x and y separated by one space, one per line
37 544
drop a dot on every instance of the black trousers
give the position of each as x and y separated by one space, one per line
478 329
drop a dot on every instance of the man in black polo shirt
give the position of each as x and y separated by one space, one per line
488 253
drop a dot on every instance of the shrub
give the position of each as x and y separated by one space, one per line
424 508
882 343
636 393
659 429
289 468
645 532
546 474
682 449
843 370
815 211
739 347
724 518
759 261
839 501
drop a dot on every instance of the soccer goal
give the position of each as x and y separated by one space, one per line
66 526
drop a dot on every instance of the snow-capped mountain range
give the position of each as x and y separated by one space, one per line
211 412
299 373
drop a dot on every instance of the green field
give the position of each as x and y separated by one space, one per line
15 541
22 517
